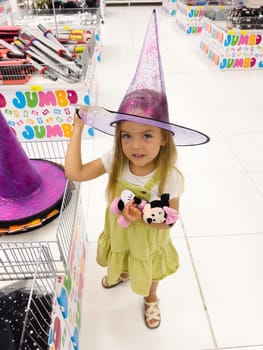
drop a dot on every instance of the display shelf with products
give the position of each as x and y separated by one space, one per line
48 259
64 27
26 307
44 110
190 13
40 102
231 49
46 266
188 17
45 306
169 7
244 17
19 252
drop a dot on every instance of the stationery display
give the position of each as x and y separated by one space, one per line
55 50
38 58
246 18
8 33
48 55
235 41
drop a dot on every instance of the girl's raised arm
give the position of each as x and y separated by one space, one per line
74 169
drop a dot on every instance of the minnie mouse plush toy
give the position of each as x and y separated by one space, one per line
158 211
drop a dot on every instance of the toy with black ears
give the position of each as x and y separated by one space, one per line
119 203
158 211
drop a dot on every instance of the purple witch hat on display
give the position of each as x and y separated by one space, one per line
29 189
145 100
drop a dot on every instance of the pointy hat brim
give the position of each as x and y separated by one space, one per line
105 121
30 189
49 196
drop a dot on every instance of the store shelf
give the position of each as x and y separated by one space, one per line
43 270
231 49
26 307
132 2
45 266
18 255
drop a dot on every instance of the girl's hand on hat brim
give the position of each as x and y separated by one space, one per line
78 124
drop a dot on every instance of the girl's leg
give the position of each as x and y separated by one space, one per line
152 294
152 312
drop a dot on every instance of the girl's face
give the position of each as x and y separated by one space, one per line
141 144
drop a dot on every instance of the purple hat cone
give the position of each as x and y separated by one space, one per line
18 178
149 73
29 189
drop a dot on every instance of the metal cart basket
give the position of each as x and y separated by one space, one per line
18 258
31 268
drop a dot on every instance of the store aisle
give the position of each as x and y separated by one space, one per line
214 301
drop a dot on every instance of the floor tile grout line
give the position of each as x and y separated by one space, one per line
223 235
199 287
246 171
240 347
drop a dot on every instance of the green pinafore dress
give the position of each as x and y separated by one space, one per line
145 252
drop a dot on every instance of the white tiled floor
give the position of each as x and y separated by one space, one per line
215 300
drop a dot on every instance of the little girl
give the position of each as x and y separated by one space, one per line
142 162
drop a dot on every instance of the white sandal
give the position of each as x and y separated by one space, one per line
152 313
106 285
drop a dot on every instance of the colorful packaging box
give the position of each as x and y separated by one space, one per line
169 7
189 18
232 49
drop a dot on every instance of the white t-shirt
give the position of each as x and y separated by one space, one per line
173 186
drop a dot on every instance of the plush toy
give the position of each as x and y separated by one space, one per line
118 204
158 211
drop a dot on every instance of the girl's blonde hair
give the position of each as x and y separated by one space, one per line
165 162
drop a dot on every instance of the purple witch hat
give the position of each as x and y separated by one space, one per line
145 100
29 189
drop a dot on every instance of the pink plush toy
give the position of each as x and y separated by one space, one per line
158 211
118 204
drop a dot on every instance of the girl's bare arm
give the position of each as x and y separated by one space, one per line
74 169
